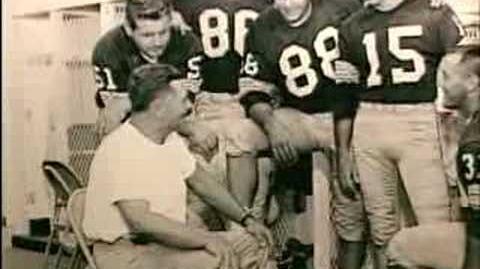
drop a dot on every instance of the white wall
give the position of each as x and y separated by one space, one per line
27 92
48 86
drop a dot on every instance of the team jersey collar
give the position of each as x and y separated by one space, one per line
391 7
307 13
149 59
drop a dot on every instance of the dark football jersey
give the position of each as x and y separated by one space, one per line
222 26
398 52
299 60
116 55
468 162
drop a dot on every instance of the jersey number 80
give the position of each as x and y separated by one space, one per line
215 36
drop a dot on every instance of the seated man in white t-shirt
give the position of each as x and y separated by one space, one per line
136 198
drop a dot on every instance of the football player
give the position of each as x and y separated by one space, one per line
291 48
222 27
148 35
452 245
396 46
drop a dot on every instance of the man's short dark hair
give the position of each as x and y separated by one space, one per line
147 10
146 81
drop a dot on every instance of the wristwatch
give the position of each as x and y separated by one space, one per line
247 213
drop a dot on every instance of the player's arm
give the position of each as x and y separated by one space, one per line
202 140
344 112
156 227
216 195
111 96
449 29
148 226
279 134
259 102
260 109
345 104
179 23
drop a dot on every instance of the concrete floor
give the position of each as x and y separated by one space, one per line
15 258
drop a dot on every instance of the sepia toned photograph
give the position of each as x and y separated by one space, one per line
241 134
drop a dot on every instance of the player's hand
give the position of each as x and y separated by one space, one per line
179 23
203 141
260 232
112 115
280 137
223 251
347 175
345 72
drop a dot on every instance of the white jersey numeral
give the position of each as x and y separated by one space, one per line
194 67
250 66
242 17
327 56
104 78
214 35
399 75
370 42
303 69
215 31
294 73
469 161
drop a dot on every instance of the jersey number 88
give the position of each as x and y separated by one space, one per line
303 69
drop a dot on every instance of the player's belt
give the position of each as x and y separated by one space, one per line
398 107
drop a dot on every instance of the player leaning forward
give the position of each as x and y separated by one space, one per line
396 46
149 34
222 27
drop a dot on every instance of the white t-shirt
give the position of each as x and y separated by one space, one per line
129 166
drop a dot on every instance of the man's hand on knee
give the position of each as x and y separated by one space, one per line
221 249
260 232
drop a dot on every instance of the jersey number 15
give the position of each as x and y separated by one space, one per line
399 75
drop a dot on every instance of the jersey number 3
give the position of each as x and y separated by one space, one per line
399 75
215 31
470 166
